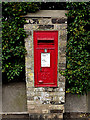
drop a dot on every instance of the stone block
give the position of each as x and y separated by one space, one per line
34 111
30 98
28 32
61 84
62 68
62 50
63 26
32 21
39 89
48 89
30 93
56 111
62 43
30 102
45 111
62 99
46 27
28 27
30 83
31 107
63 60
58 20
62 64
44 21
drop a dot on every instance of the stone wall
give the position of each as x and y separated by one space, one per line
46 100
14 100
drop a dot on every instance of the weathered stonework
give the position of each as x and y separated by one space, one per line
46 101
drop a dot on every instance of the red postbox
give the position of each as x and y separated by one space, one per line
45 58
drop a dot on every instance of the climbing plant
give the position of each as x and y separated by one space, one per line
78 65
77 52
13 34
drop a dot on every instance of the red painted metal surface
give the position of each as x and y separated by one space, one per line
45 58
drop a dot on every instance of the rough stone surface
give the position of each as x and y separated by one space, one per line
46 100
14 97
47 14
75 103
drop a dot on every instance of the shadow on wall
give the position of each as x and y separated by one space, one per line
14 97
75 103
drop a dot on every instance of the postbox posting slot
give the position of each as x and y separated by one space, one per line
45 41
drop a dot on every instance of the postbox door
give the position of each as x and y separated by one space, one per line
46 72
45 59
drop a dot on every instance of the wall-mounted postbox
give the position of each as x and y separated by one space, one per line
45 58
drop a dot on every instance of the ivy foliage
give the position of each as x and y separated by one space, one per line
13 50
13 34
78 64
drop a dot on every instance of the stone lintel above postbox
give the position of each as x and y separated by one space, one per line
47 14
